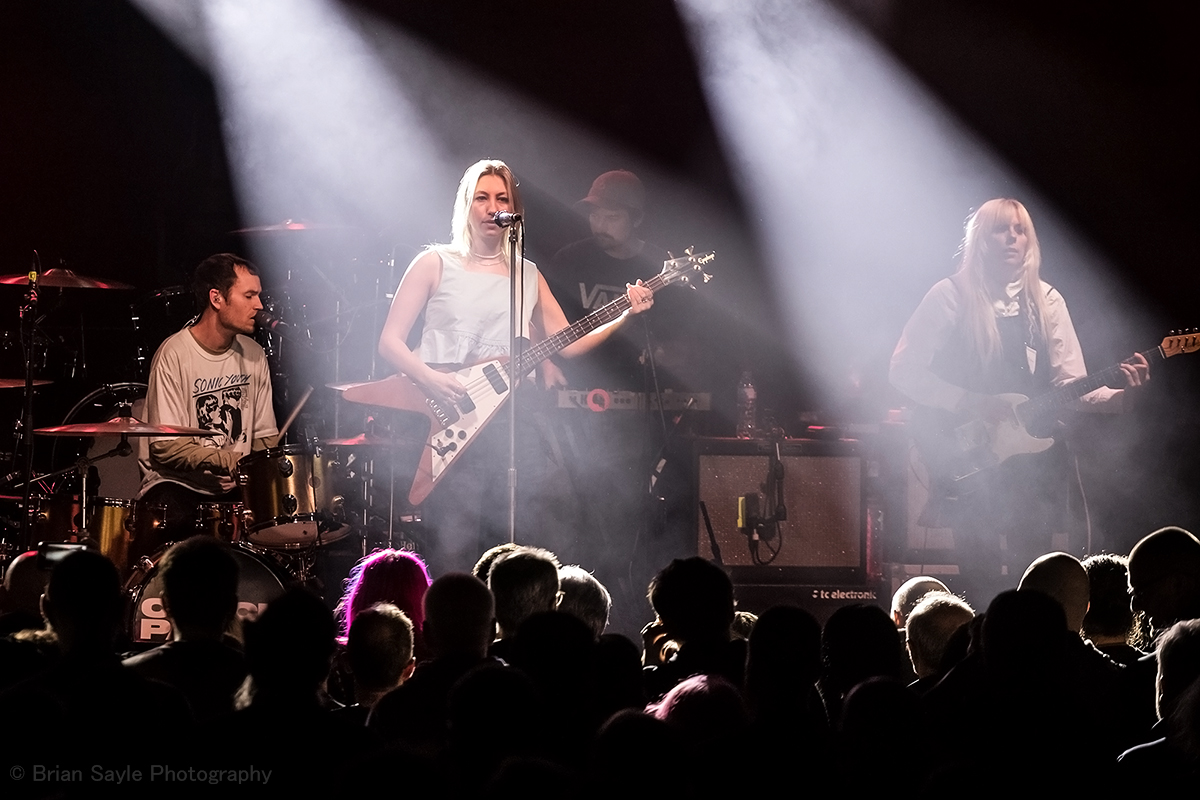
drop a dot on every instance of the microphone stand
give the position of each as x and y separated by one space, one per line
516 295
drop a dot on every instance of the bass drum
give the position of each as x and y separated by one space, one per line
261 579
118 477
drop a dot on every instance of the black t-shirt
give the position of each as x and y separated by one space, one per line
584 278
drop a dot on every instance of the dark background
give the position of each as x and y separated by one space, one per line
112 160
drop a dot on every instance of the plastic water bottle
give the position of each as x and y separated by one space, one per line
747 407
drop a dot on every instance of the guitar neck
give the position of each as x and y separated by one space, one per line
577 330
1065 395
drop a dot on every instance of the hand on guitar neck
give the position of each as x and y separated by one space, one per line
1136 371
986 430
998 409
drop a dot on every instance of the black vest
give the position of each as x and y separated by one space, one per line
1008 371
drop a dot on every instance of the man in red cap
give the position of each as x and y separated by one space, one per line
588 274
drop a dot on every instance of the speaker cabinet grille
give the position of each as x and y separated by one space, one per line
822 490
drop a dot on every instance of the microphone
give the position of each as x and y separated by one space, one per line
505 218
272 324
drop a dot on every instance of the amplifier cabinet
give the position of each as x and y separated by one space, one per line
823 540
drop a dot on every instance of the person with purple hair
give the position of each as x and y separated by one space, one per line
399 577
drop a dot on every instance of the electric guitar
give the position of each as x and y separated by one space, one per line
453 426
956 449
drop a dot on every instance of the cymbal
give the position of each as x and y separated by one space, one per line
364 440
341 387
291 225
19 383
59 278
120 426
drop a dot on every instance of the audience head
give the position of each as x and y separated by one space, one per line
619 758
460 616
398 577
1109 617
289 646
82 602
484 565
1063 578
859 642
1178 657
1022 634
558 652
707 709
875 710
905 599
784 654
694 600
930 625
24 583
495 713
200 587
585 598
1164 577
523 582
380 647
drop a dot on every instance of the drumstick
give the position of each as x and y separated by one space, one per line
308 390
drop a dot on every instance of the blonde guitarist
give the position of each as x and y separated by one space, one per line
462 289
992 330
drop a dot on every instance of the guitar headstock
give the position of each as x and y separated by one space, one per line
687 268
1181 342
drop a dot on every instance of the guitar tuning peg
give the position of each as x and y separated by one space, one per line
707 277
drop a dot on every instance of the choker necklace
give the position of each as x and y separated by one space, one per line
492 259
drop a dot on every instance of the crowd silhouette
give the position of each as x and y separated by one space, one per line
1084 676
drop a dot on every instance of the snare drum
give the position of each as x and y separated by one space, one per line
260 580
220 520
290 497
111 526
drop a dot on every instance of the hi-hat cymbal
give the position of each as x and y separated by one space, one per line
59 278
291 225
120 426
19 383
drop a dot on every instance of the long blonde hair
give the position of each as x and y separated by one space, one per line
460 228
978 312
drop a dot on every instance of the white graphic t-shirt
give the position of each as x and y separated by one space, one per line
228 395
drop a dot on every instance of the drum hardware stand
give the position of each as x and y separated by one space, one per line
82 466
28 328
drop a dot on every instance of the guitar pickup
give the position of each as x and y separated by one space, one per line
972 435
466 405
499 385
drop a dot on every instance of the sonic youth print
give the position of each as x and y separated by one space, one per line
221 405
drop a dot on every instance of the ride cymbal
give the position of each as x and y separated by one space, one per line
59 278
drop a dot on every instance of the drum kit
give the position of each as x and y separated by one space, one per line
296 498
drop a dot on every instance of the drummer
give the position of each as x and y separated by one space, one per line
210 375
